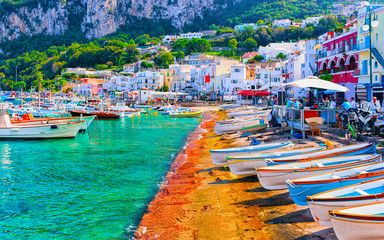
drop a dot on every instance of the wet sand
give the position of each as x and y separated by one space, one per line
199 200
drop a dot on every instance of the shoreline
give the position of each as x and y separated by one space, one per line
199 200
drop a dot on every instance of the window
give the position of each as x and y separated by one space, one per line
376 78
376 65
364 67
237 70
377 37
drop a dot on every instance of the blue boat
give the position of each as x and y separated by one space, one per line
356 149
300 188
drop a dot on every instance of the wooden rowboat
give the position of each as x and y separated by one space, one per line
219 156
361 193
254 128
308 186
364 221
275 177
187 114
246 164
356 149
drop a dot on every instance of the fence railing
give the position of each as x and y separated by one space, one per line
295 118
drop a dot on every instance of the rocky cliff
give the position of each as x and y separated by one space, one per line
96 18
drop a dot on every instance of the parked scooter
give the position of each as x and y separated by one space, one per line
364 121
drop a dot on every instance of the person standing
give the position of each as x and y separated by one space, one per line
332 104
375 105
354 103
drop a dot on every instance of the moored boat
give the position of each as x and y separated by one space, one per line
187 114
37 131
246 164
234 127
219 156
361 193
98 114
359 222
356 149
275 177
86 119
254 128
300 188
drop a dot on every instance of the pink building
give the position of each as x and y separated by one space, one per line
339 57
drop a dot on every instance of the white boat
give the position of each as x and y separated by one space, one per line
246 164
219 156
300 188
236 120
234 127
86 121
362 193
364 221
49 130
275 177
355 149
234 114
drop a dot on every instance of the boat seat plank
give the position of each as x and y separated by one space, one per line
360 191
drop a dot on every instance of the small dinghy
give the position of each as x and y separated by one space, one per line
361 193
246 164
302 187
356 149
219 156
275 177
359 222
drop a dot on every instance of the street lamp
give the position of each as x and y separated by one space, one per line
317 47
270 83
368 26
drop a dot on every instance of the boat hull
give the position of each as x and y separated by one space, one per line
99 115
347 229
68 130
219 157
319 210
232 128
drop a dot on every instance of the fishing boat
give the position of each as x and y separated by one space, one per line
236 120
252 114
365 221
98 114
275 177
254 128
37 131
246 164
219 156
234 127
30 121
187 114
234 114
300 188
356 149
362 193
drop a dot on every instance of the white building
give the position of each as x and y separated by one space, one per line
149 80
309 68
236 80
282 23
170 39
270 51
190 36
313 20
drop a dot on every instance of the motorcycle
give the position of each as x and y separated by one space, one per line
364 121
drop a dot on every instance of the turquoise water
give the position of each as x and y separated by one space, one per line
96 186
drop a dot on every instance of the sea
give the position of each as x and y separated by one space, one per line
95 186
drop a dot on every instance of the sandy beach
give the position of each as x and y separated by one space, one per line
199 200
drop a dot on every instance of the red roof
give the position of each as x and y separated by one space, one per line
254 93
250 55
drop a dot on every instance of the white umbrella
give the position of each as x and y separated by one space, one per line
315 82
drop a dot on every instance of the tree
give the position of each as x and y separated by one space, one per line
258 58
179 55
180 45
166 59
250 44
132 54
164 88
198 45
232 44
281 56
